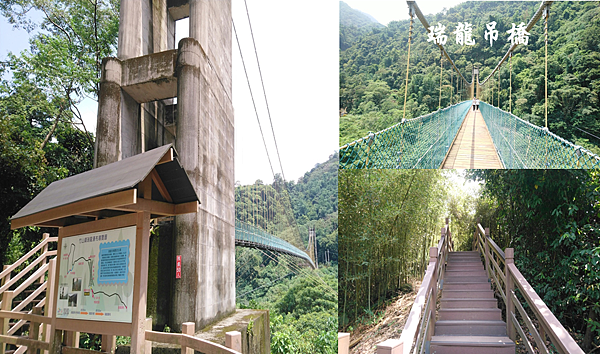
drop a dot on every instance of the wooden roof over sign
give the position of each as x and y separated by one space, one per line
153 181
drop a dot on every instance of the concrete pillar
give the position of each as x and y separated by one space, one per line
205 240
187 226
130 29
199 13
108 128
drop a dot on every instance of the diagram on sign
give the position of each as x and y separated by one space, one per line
96 276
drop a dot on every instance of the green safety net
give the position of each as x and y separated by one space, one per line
250 235
521 144
413 143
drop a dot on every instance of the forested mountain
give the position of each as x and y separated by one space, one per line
315 203
354 23
373 69
302 303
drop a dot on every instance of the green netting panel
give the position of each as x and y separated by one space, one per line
521 144
414 143
254 235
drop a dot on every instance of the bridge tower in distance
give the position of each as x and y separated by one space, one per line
312 245
153 94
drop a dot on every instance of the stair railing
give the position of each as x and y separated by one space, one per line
40 273
507 279
420 324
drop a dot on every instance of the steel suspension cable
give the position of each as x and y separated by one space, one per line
410 31
441 74
264 91
252 96
546 61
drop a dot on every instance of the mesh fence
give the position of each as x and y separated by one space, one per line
414 143
521 144
255 236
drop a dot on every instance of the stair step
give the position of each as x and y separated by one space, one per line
491 314
471 344
451 257
473 328
464 261
453 266
467 286
468 303
465 258
464 252
467 294
462 279
466 273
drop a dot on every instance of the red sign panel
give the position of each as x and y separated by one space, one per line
178 267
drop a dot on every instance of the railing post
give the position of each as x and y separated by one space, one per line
475 243
389 346
49 305
109 343
188 328
44 250
233 340
6 305
147 343
509 254
34 327
433 253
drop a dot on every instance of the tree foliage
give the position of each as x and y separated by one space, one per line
388 221
551 219
42 135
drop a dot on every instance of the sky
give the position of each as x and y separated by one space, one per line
297 46
385 11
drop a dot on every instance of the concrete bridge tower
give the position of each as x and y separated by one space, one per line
153 94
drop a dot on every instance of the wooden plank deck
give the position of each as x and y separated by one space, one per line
473 146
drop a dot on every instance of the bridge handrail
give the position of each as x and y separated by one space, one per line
511 277
569 155
420 323
253 234
392 147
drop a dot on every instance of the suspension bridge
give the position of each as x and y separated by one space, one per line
455 137
158 161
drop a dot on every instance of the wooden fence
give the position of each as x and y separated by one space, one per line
507 280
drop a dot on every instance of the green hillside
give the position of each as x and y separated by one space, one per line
302 303
373 69
354 23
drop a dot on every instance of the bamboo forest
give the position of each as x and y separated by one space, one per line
389 219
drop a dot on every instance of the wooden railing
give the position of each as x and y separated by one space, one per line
420 324
23 289
41 277
507 279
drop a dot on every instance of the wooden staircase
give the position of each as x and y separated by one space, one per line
469 320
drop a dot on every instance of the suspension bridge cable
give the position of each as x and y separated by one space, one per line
410 31
252 96
264 91
441 74
538 14
293 223
546 61
597 137
299 270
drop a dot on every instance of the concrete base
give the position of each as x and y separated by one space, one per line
252 324
256 338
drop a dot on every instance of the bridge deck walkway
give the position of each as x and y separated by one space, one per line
473 146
